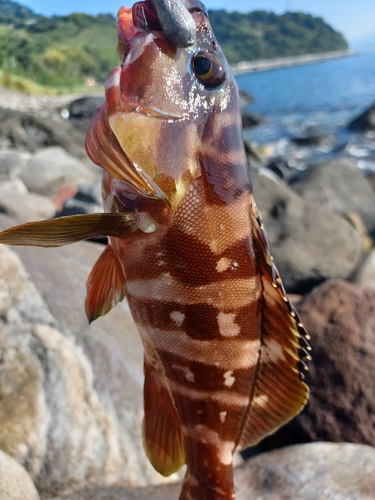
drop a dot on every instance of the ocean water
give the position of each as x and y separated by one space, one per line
319 98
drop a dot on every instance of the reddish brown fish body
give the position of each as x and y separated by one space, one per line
223 345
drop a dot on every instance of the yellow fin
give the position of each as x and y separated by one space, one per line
279 392
66 230
162 437
105 285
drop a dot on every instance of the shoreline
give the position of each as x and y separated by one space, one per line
283 62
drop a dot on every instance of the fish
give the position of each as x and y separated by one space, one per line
224 348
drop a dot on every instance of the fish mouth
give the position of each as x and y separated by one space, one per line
139 107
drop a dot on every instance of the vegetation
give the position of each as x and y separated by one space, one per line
62 52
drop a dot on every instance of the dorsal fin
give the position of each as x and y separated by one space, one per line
162 437
279 392
105 285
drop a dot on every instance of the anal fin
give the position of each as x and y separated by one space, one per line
105 285
279 393
162 437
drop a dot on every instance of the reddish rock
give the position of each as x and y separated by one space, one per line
340 318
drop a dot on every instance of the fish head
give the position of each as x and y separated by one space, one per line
160 97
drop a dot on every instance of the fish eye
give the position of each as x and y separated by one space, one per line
209 69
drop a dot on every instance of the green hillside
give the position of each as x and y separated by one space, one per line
63 51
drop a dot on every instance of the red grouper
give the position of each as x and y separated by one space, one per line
223 346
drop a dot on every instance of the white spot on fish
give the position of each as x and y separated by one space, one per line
261 400
189 375
272 352
229 379
227 325
223 264
222 416
178 317
205 435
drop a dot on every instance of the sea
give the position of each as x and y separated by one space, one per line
318 99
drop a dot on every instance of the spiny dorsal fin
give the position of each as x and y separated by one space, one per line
105 285
279 392
162 437
66 230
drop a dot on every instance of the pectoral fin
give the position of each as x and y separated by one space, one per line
105 285
162 437
66 230
279 392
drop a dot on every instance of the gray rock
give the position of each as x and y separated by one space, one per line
15 483
50 168
25 207
13 186
70 393
315 471
366 273
339 186
12 163
309 244
364 122
85 107
30 132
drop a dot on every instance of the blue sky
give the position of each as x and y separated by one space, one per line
355 19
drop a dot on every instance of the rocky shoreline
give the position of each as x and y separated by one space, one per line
71 393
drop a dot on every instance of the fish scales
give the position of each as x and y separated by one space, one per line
223 345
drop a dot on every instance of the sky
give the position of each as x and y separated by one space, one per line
355 19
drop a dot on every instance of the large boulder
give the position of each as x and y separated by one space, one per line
15 483
12 162
309 243
70 393
51 168
340 318
366 273
339 186
30 132
25 207
316 471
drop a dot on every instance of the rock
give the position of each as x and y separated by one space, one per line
86 200
309 244
371 180
315 471
12 163
50 168
28 131
26 207
364 122
282 168
314 139
366 273
339 186
340 318
70 393
250 119
14 186
15 483
85 107
245 98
